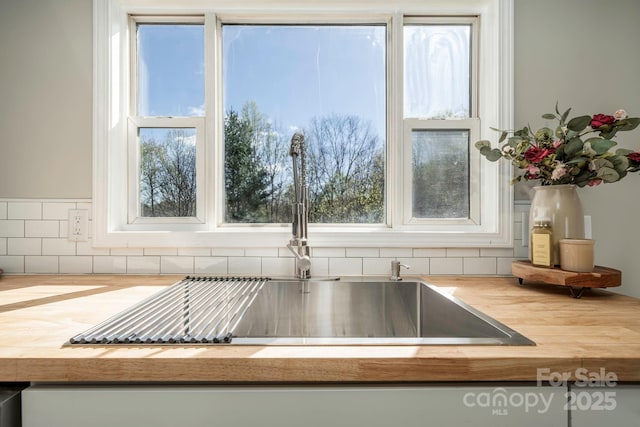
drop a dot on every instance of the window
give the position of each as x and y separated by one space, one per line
326 81
195 108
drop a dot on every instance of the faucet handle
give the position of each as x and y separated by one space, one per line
395 270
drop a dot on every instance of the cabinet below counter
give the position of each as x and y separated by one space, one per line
597 334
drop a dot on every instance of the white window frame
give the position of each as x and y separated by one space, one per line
490 227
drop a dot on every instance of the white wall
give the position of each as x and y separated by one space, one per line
581 53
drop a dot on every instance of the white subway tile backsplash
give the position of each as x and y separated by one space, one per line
319 266
376 266
33 239
277 266
328 252
41 228
496 252
127 251
76 264
86 248
430 253
236 252
363 252
345 266
143 264
41 264
12 228
262 252
176 264
396 252
160 251
245 266
194 251
445 266
24 210
24 246
462 252
504 266
417 266
12 264
210 265
479 265
58 247
110 264
57 210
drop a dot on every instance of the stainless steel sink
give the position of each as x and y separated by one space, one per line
260 311
366 312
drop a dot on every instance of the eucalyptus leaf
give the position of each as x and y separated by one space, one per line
620 164
548 116
494 155
629 123
600 145
601 163
608 174
564 116
623 151
482 143
573 147
503 136
578 124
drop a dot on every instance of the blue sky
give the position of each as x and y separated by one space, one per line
293 73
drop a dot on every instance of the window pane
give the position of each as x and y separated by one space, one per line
167 172
170 70
326 81
440 173
437 64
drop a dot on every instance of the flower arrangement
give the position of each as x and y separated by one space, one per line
577 152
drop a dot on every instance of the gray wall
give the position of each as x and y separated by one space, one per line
582 53
45 98
585 54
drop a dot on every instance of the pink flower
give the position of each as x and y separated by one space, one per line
599 120
594 182
620 115
536 155
557 143
532 171
559 171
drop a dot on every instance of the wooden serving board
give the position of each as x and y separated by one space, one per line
600 277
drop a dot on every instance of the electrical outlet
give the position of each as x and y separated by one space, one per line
78 225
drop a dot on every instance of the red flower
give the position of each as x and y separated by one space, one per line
634 157
601 120
536 155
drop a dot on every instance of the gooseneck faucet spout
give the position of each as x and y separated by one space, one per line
298 245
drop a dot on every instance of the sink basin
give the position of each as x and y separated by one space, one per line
366 313
261 311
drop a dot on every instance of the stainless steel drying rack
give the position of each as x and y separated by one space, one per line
196 310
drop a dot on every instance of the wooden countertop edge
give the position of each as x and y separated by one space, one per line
307 370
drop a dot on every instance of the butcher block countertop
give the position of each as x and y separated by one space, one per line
38 315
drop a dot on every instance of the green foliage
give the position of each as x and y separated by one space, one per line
566 155
246 180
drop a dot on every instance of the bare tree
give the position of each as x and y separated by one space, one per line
346 172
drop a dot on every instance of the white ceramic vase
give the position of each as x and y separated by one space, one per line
561 205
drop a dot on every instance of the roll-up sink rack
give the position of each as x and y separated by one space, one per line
196 310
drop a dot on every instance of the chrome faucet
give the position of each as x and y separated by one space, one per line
298 243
